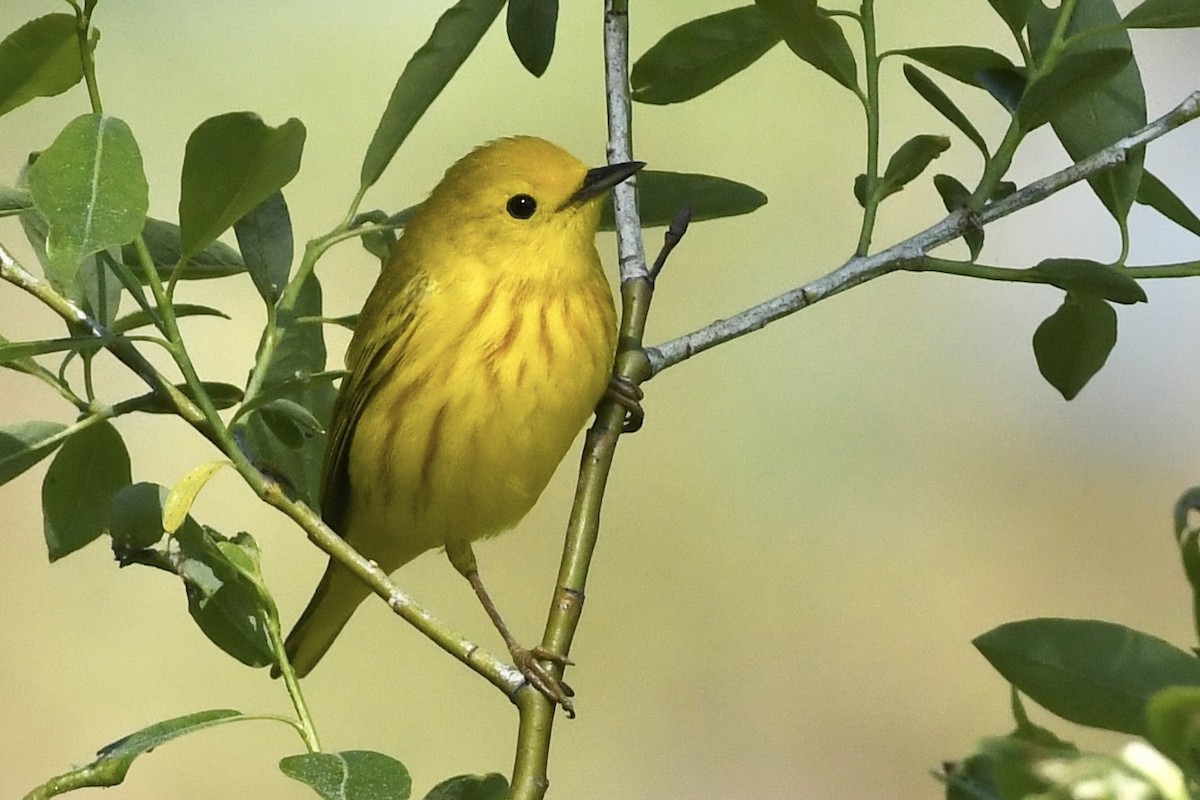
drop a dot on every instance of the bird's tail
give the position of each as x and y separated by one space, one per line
333 603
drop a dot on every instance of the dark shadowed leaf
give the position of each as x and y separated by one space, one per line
961 62
14 201
91 467
909 161
702 54
89 187
1072 344
264 236
232 163
1156 194
1005 85
662 194
25 444
425 75
135 518
39 59
933 95
1013 12
531 25
492 786
1085 277
1165 14
216 260
142 317
1088 671
1076 75
222 395
813 36
350 775
955 196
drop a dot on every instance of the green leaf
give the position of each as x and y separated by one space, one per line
944 106
225 598
662 194
222 396
955 196
425 75
909 161
25 444
90 188
183 494
11 352
14 201
299 355
265 238
135 517
813 36
492 786
350 775
232 163
531 25
39 59
291 422
1076 75
1007 86
115 760
1161 14
1087 671
91 467
142 317
1156 194
1072 344
702 54
1013 12
1083 277
1173 726
961 62
216 260
1114 110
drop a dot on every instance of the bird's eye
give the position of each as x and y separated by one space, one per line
521 206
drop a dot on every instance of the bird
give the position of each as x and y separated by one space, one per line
480 353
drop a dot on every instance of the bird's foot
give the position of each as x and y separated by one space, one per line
538 675
628 395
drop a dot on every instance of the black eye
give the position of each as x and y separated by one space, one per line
521 206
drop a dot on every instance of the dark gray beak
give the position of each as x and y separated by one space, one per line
599 180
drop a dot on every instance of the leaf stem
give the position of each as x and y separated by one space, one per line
871 63
83 24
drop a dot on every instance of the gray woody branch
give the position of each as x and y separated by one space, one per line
910 252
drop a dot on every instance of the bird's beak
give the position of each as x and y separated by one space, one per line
599 180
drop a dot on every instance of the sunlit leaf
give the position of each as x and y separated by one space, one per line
39 59
183 494
350 775
1173 726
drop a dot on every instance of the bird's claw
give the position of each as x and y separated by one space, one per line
538 675
628 395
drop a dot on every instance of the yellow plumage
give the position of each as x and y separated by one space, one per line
479 355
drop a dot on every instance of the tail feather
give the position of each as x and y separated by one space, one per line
333 603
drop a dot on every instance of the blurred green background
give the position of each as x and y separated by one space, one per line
798 547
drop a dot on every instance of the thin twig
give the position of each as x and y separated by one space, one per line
910 251
675 232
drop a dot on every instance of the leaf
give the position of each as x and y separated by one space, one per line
909 161
955 196
1076 75
1087 671
961 62
232 163
90 188
135 517
662 194
1007 86
492 786
183 494
216 260
531 25
933 95
350 775
1115 110
810 33
39 59
264 236
1013 12
1156 194
114 761
11 352
702 54
291 422
454 37
14 201
142 317
91 467
1083 277
222 396
1173 726
1162 14
25 444
1072 344
225 596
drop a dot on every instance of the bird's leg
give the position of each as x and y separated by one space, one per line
527 661
628 395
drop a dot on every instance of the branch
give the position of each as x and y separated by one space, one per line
909 252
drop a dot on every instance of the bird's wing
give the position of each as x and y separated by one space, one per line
368 361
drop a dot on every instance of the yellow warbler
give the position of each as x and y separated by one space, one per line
480 353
